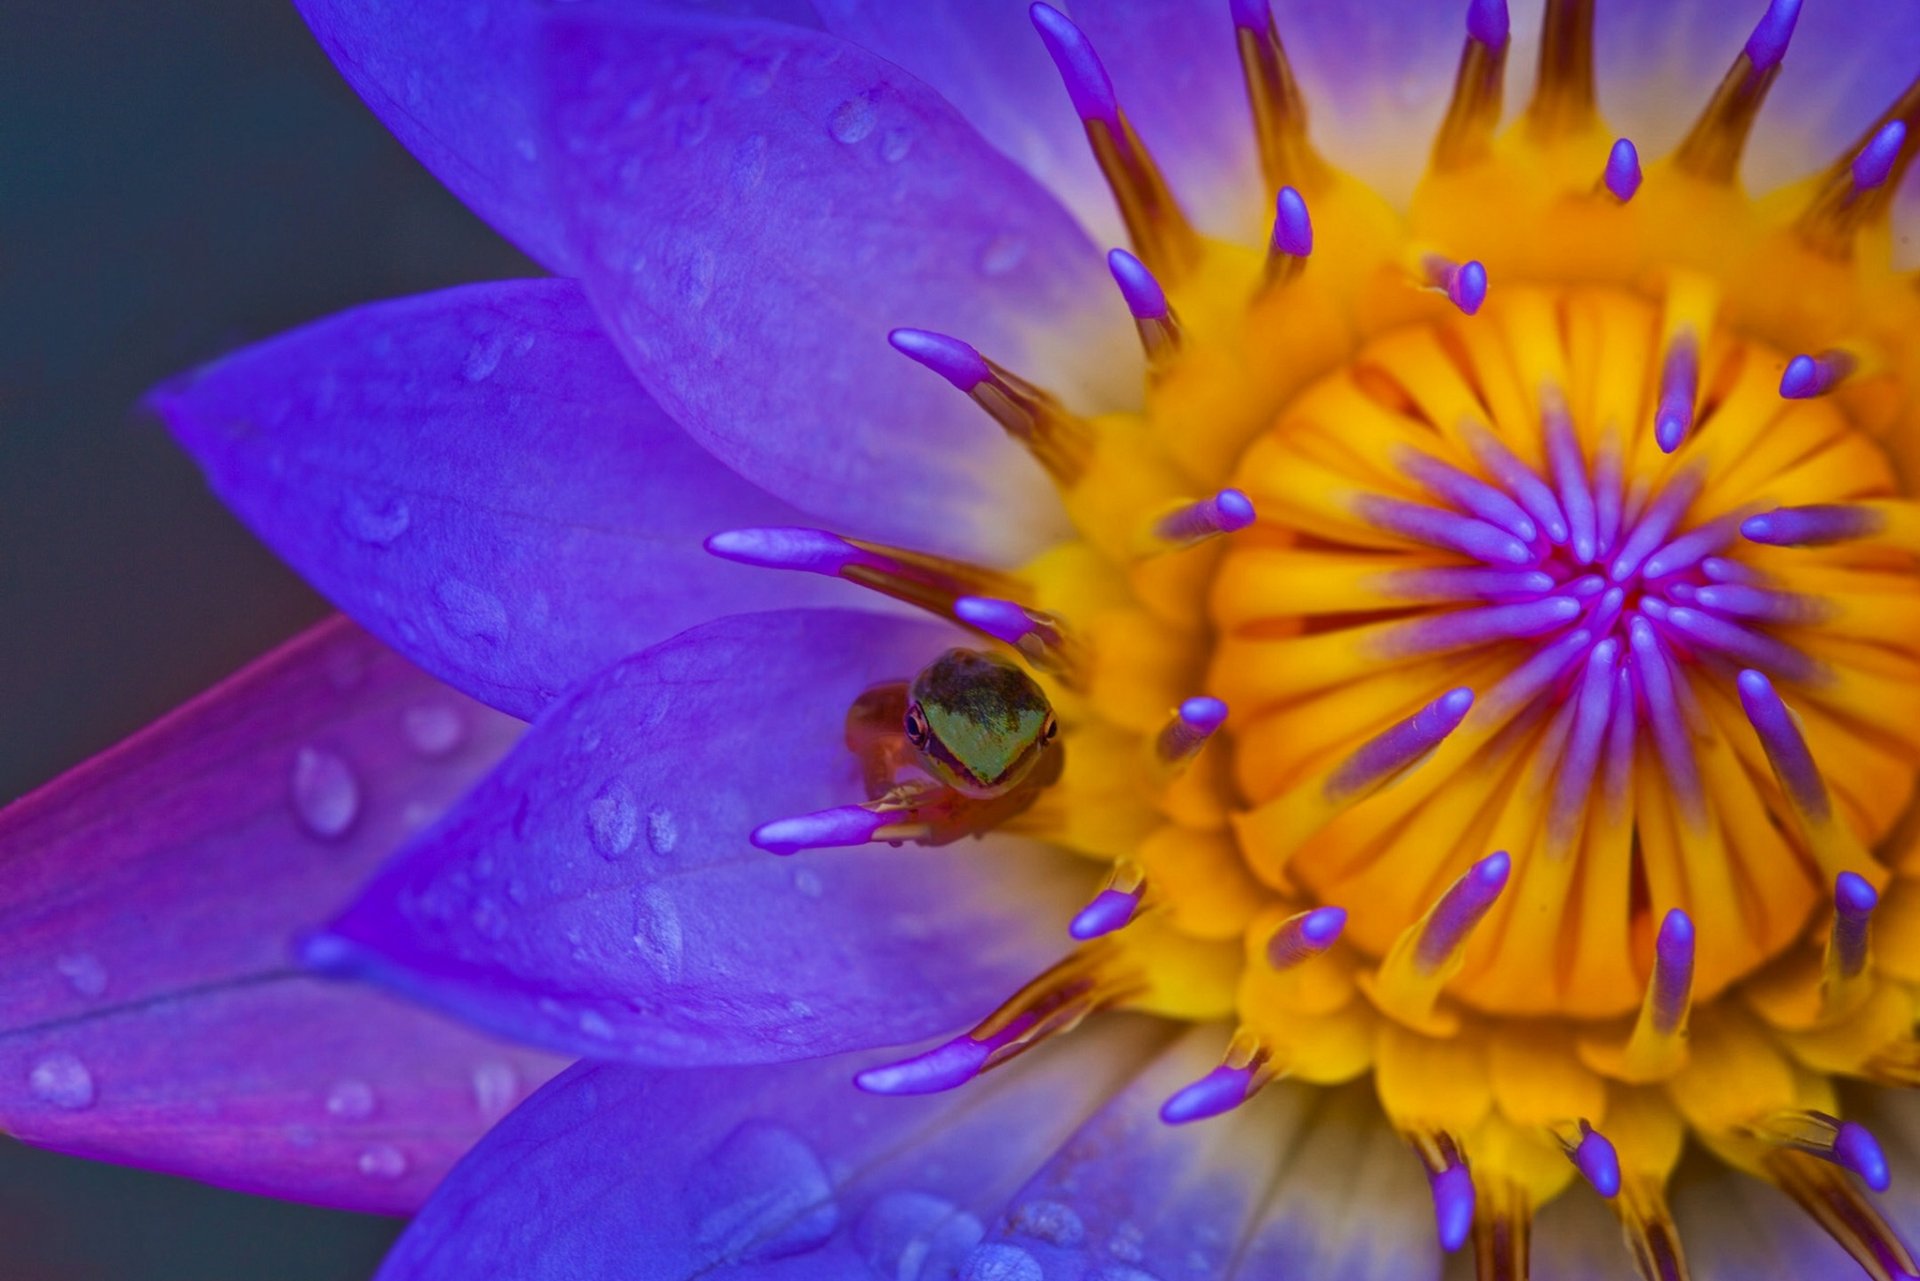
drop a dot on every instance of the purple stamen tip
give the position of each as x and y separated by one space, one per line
1809 526
1468 288
1292 228
1598 1162
1253 15
1802 379
1674 947
1855 1148
1145 299
1670 426
1401 744
844 825
1854 896
1768 43
1487 22
1221 1090
1080 67
1323 925
1232 510
1301 938
1203 715
953 360
1623 170
1875 161
1460 909
941 1068
812 550
1452 1206
1001 619
1109 911
1672 970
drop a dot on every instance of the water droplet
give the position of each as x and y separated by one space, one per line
62 1080
657 932
84 973
434 729
496 1088
595 1024
490 919
852 120
350 1101
763 1194
613 818
807 881
472 611
1049 1221
663 830
377 521
1002 254
753 77
326 795
382 1161
517 891
696 122
894 145
915 1236
996 1262
1125 1242
483 357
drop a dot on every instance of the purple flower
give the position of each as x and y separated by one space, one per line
1545 531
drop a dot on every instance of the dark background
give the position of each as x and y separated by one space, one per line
176 179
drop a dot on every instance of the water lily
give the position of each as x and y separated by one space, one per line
1429 553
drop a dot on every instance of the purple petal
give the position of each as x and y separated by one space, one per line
751 266
784 1171
475 476
153 1014
646 926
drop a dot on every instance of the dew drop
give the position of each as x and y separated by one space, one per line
490 919
852 120
613 818
83 972
657 932
377 522
350 1101
595 1024
62 1080
696 122
382 1161
894 145
915 1236
483 357
753 77
762 1194
807 881
326 795
434 729
996 1262
496 1088
663 830
1049 1221
472 611
1002 254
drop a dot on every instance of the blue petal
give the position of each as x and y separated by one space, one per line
152 1015
755 207
780 1172
475 476
597 893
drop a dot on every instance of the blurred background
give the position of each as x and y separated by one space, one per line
175 180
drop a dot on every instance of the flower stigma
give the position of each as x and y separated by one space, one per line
1550 547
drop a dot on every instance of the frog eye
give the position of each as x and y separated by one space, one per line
1049 731
916 726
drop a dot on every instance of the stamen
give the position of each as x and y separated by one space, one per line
1451 1185
1159 230
1844 1213
1041 638
1622 175
1279 111
842 825
1300 938
1244 1071
1574 781
1858 189
1440 528
1464 283
1226 512
1153 316
1087 980
1188 731
1874 165
1816 525
1292 241
1745 647
1467 131
1059 440
1517 479
1712 150
933 583
1503 1237
1810 376
1563 91
1670 736
1449 484
1658 1044
1430 951
1679 389
1650 532
1462 629
1651 1235
1592 1154
1400 747
1844 982
1113 907
1569 475
1847 1144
